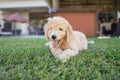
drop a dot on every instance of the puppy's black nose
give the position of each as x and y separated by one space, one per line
53 36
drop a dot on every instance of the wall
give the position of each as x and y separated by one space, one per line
81 21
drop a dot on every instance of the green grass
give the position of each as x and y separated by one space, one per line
29 59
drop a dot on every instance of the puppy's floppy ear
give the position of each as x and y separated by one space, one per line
46 33
69 32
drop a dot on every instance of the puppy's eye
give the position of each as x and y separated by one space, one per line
60 29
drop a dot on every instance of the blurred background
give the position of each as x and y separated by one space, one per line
93 17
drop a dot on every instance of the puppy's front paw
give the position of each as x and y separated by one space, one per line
48 44
63 57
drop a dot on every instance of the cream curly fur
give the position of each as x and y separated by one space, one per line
70 41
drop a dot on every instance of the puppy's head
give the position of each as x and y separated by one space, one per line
58 29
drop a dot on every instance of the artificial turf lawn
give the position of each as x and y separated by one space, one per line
29 59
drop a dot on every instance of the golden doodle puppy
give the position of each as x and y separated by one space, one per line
64 41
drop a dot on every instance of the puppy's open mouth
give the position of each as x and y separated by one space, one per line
55 43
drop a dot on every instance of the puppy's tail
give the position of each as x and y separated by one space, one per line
91 42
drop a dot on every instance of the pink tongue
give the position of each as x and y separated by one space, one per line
55 44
